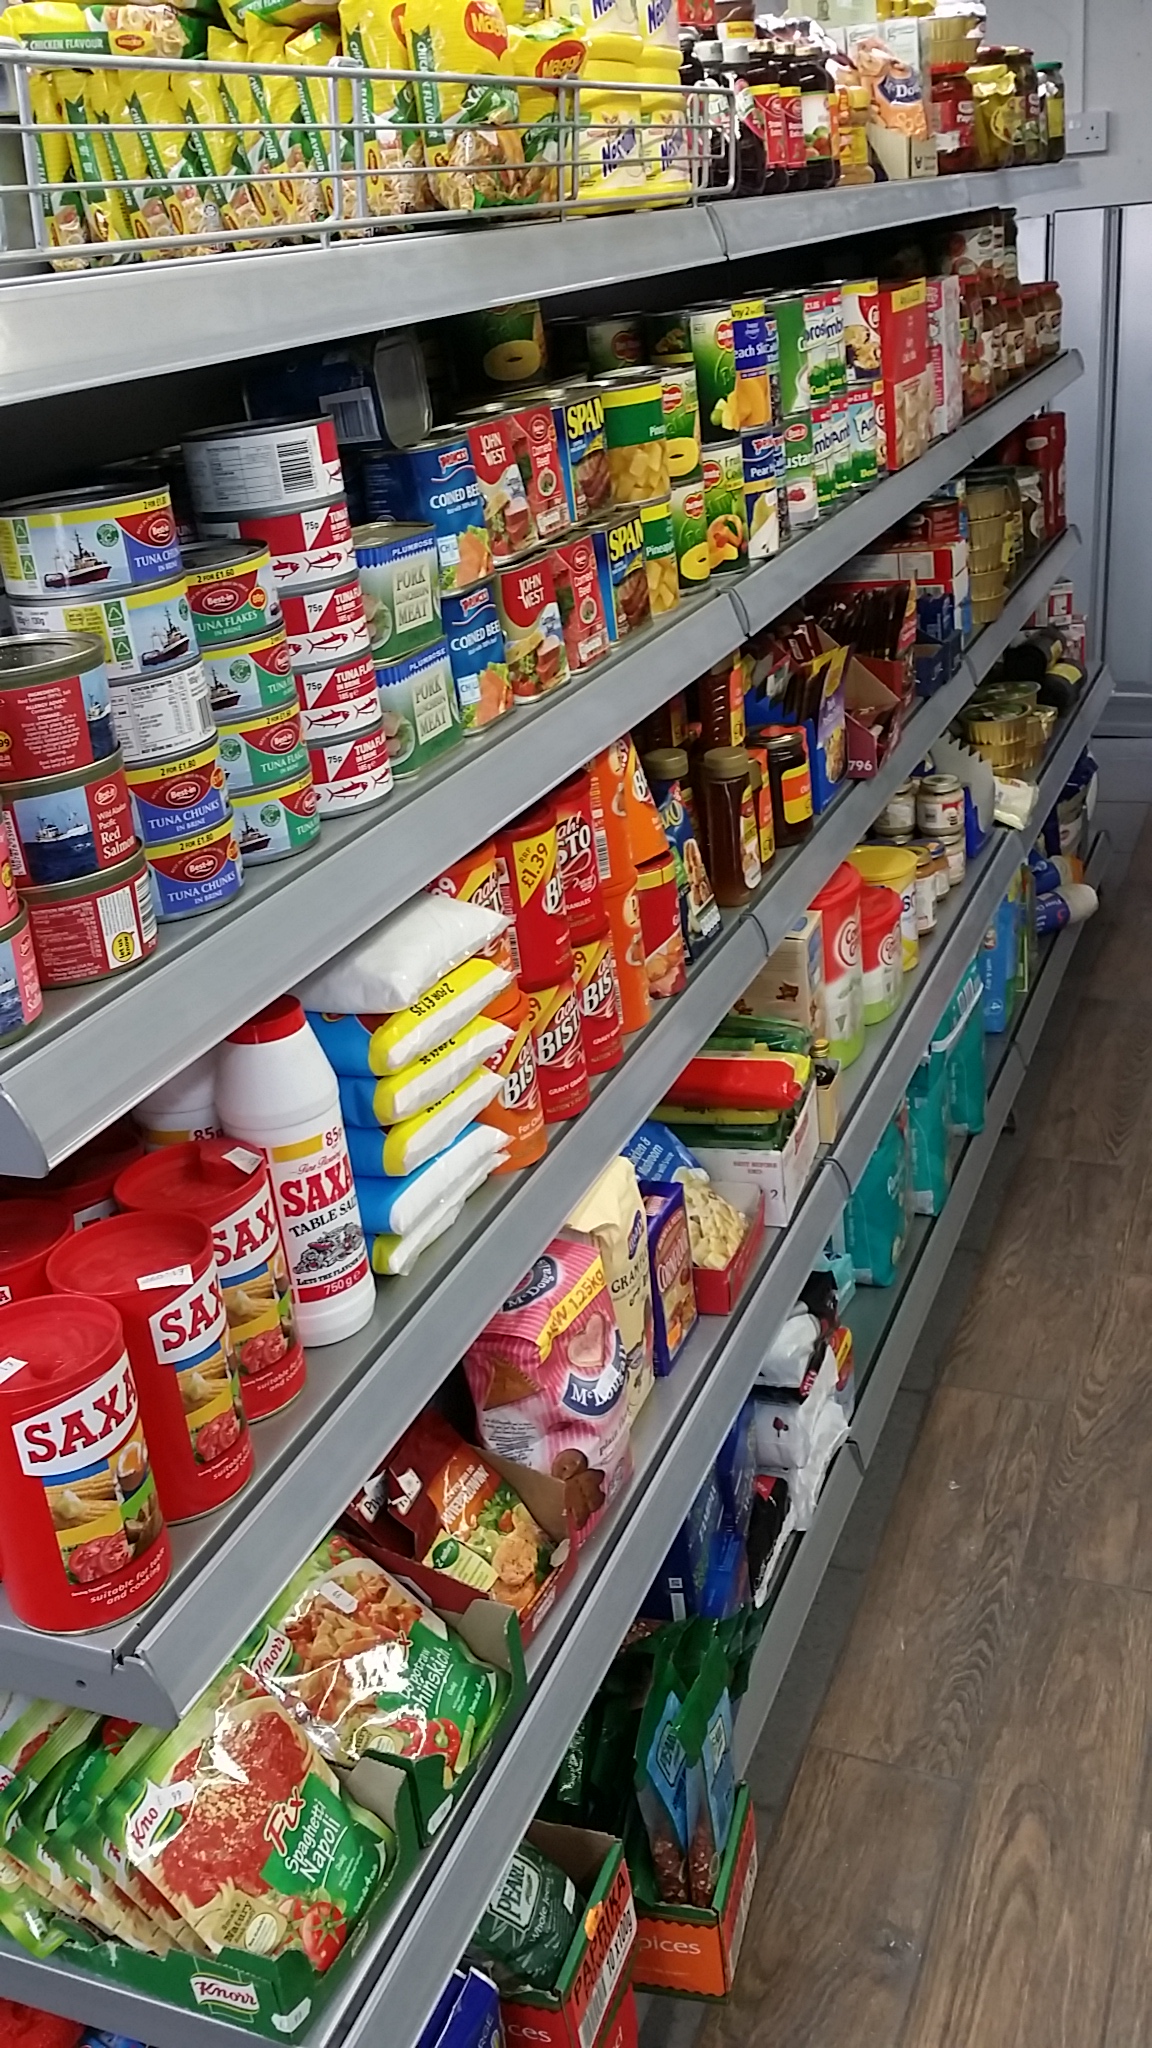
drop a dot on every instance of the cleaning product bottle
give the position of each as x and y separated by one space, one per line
276 1091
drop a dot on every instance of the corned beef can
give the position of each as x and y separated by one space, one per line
253 675
351 772
534 645
277 463
340 697
476 879
226 1185
576 853
168 711
20 999
580 596
601 1014
9 900
95 928
196 874
305 545
475 640
325 622
55 705
81 1526
558 1043
66 826
178 798
531 894
87 540
264 749
272 824
159 1273
148 625
231 591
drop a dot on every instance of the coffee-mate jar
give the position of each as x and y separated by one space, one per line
277 1092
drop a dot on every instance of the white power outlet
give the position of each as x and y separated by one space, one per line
1088 133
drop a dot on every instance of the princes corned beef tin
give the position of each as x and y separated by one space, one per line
145 627
278 463
94 928
340 697
253 676
351 773
196 874
178 798
231 592
87 540
264 749
66 826
435 482
55 705
326 622
306 545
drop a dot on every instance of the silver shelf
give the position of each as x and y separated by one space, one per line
98 1049
78 332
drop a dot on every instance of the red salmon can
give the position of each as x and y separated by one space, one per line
81 1528
92 929
30 1227
531 894
66 826
306 545
507 513
339 697
55 705
325 622
601 1015
231 592
159 1274
576 852
20 999
659 898
226 1185
476 879
580 596
557 1040
9 900
352 771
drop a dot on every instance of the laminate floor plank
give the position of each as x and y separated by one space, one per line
1130 2002
1101 1095
926 1654
842 1910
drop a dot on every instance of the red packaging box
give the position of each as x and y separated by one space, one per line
909 400
719 1289
1046 449
694 1950
587 2009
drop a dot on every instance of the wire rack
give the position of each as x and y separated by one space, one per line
110 159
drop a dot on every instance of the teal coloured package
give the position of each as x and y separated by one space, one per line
879 1215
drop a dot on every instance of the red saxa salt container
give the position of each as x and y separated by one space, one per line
29 1229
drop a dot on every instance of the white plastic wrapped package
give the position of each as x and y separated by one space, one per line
394 965
790 1353
386 1044
397 1207
398 1255
433 1076
407 1145
798 1437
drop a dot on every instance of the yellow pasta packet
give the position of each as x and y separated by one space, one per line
317 45
171 158
545 50
239 103
104 209
63 214
472 145
147 214
132 30
374 35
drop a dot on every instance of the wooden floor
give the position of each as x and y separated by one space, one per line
965 1860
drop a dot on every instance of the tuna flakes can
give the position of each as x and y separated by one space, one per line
272 824
255 675
177 799
264 749
351 773
231 591
305 545
95 928
159 715
340 697
400 583
20 999
325 622
576 577
278 463
55 706
87 540
195 874
70 825
148 626
533 630
418 703
475 640
558 1043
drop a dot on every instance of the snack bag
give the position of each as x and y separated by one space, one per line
611 1217
526 1928
134 30
662 1781
472 147
544 50
95 1849
461 1517
396 181
319 44
368 1668
153 106
104 210
704 1731
285 146
65 218
222 151
548 1377
147 214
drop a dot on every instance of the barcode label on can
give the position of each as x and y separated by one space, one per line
353 414
297 473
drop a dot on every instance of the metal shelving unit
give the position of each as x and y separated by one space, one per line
98 1049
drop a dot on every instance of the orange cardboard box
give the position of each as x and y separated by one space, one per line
693 1950
587 2008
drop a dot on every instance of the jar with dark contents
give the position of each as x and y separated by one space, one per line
762 80
817 112
719 696
1015 332
1051 76
730 826
719 66
953 118
789 782
789 73
1022 64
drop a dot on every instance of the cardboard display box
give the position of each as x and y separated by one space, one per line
692 1951
780 1176
584 2009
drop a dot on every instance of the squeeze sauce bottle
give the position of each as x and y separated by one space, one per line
276 1091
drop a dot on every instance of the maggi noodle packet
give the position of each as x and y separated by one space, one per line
240 204
385 1044
472 146
133 30
171 156
147 214
286 149
402 1147
396 181
104 209
66 227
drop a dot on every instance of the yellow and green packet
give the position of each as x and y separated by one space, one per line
374 35
104 210
63 214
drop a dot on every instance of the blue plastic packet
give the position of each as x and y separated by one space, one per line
658 1155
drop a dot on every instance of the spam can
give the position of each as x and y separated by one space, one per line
231 591
397 568
418 702
623 561
66 826
475 640
578 415
87 540
20 999
55 705
325 622
93 929
180 798
350 774
195 874
165 713
340 697
272 824
306 544
264 749
268 462
254 675
147 626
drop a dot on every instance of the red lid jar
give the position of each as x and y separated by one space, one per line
81 1528
159 1273
29 1229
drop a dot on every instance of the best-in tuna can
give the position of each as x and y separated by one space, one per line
20 999
273 823
87 540
418 702
55 706
195 874
266 748
273 462
169 712
70 825
533 631
231 592
475 640
351 773
148 626
92 929
255 675
400 583
9 900
325 622
341 697
177 799
435 482
306 545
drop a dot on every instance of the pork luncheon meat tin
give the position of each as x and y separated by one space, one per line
55 705
399 577
87 540
146 626
231 591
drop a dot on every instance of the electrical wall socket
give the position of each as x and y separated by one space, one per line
1087 133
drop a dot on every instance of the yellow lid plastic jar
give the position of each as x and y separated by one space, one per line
609 159
894 867
665 139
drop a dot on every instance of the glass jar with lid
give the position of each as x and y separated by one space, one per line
1051 76
997 114
817 113
953 118
1022 63
763 80
731 830
789 781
